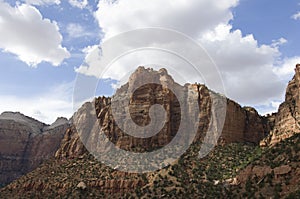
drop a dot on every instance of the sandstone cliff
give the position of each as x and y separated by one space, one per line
287 120
240 125
25 143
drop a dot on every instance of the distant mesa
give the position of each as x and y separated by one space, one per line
25 143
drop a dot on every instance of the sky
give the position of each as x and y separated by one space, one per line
46 44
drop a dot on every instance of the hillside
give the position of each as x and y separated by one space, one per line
224 171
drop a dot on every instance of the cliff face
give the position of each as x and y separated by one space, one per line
287 120
25 143
241 124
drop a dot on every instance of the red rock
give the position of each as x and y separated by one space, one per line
287 119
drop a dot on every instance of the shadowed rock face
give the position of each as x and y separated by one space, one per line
25 143
287 120
241 124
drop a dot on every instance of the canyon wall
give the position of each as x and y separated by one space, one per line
25 143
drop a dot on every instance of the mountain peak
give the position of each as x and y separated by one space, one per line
143 75
21 118
58 122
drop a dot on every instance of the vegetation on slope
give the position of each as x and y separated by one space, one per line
189 177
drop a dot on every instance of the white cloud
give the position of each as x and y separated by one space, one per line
79 3
25 33
75 30
190 17
42 2
296 16
45 107
286 69
279 42
247 68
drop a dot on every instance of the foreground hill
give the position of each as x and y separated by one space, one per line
234 170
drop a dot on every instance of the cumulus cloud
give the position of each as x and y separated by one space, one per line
42 2
250 71
246 67
45 107
190 17
79 3
34 39
296 16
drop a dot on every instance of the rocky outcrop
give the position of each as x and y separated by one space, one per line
71 145
287 120
25 143
261 172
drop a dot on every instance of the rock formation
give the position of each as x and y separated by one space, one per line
287 119
25 143
241 124
75 173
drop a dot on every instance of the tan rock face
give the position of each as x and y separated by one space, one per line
25 143
241 124
287 120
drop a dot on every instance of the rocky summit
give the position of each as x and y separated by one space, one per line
255 156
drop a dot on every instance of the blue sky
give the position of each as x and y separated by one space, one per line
268 20
43 44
